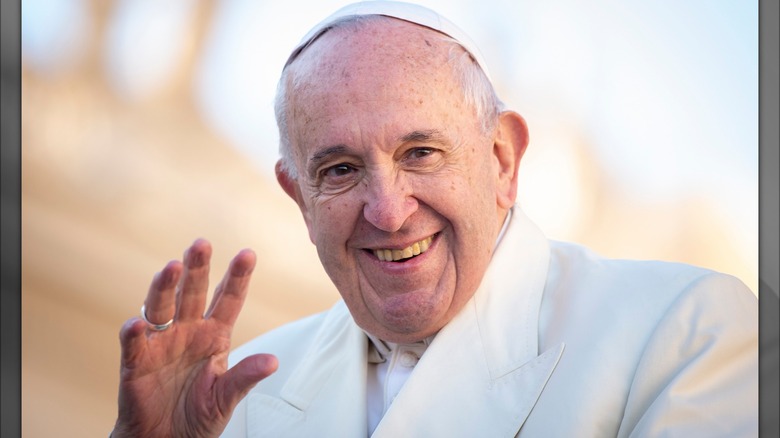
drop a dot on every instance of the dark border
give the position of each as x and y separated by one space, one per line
768 162
10 219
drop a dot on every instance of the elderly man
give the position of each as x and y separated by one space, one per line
458 317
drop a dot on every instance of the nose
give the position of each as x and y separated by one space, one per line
389 202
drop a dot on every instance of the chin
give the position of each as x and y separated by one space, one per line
413 318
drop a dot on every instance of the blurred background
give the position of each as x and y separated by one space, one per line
147 124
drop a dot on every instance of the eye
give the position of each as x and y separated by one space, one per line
337 171
418 153
338 177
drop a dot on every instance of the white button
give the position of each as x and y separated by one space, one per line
408 359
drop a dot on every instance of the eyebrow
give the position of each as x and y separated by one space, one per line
322 155
422 136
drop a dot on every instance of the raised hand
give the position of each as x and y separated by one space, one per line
174 379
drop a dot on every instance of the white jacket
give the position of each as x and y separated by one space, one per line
557 342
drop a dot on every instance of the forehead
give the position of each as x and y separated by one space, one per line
362 41
367 64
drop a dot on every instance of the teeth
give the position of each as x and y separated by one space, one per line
393 255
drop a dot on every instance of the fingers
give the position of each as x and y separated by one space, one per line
231 292
191 300
131 340
160 303
163 302
237 381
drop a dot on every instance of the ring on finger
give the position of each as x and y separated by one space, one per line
153 326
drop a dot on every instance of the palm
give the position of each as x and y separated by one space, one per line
175 382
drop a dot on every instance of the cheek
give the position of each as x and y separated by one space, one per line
333 226
472 188
331 222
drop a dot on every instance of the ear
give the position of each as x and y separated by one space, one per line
289 184
508 148
293 190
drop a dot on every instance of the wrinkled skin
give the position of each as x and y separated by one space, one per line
175 382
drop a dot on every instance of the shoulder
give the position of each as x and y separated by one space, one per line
659 338
586 290
290 342
628 280
282 339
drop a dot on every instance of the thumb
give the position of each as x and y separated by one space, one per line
243 376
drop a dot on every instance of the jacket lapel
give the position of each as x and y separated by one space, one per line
482 374
326 395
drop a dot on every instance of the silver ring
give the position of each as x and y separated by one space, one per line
153 326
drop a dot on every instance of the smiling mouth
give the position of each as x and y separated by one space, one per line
395 255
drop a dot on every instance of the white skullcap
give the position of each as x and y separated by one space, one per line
404 11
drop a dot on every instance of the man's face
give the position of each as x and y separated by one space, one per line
397 183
